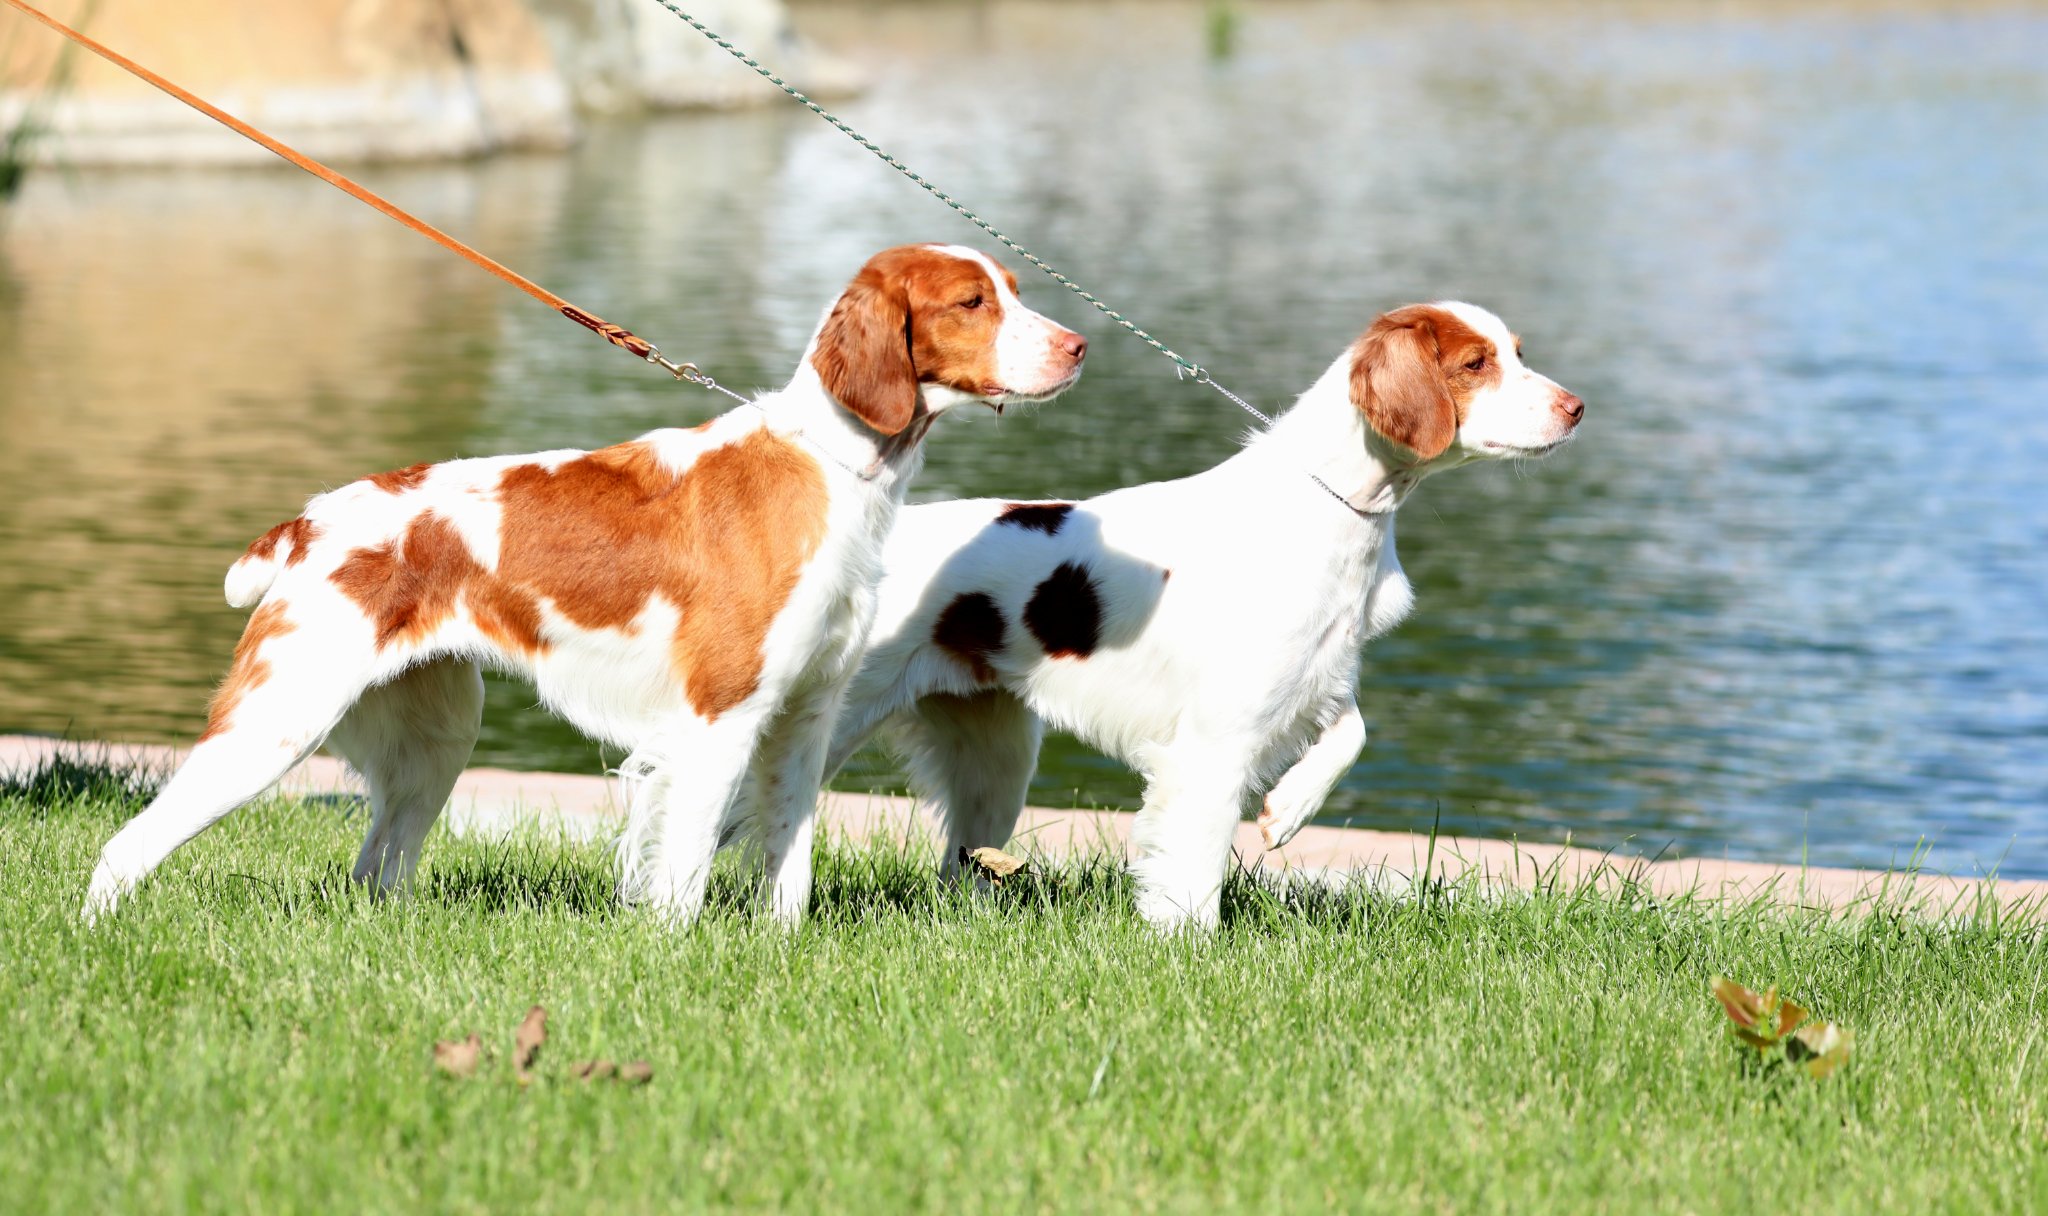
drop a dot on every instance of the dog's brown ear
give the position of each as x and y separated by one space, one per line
863 354
1398 384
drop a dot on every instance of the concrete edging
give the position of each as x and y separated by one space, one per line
495 801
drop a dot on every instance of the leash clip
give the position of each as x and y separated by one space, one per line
681 371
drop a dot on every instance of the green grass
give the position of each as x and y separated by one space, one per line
250 1034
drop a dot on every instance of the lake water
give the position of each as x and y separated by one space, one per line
1786 596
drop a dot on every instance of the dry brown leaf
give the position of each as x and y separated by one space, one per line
636 1072
526 1043
594 1070
459 1058
994 864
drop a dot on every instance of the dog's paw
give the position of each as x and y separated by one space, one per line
1278 824
100 899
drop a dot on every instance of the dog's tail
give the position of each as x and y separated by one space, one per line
253 573
249 578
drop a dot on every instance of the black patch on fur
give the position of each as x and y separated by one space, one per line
971 629
1065 613
1043 517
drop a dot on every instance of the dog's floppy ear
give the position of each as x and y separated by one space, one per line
1397 384
863 354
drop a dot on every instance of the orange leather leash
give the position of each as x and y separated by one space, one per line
618 336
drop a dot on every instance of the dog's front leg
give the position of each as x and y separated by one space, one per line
788 769
1299 793
1181 841
684 783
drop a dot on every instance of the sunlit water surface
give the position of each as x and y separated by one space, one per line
1784 598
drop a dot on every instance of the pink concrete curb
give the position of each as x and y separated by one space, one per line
491 800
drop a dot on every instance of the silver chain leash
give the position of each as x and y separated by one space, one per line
1182 364
688 371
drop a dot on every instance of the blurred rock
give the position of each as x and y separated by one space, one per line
355 80
338 79
627 55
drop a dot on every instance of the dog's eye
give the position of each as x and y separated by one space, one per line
1475 364
972 304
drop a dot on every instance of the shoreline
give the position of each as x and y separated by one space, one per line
493 801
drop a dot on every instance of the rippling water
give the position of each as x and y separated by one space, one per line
1785 597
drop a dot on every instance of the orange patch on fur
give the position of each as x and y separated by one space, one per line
1410 378
249 670
1458 344
951 345
902 322
408 587
300 533
412 586
509 616
724 542
398 480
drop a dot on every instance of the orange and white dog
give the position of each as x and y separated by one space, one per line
1205 631
699 597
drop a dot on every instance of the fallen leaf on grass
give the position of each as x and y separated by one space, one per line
463 1057
526 1043
633 1072
460 1058
994 864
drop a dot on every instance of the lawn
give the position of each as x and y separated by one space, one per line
249 1034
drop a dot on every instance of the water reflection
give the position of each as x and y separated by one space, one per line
1786 592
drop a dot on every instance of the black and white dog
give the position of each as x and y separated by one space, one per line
1207 630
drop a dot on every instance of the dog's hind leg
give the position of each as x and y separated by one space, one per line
972 758
285 690
876 693
409 737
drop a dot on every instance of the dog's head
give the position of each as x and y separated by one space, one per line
1444 383
938 325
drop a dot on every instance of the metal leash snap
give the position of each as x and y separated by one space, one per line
681 371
